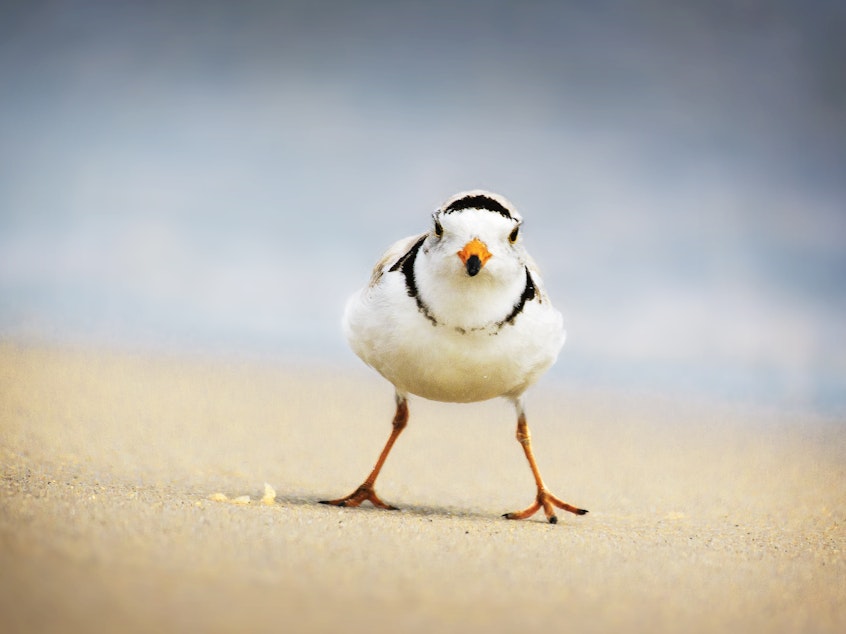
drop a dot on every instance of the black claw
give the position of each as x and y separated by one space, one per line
582 512
553 520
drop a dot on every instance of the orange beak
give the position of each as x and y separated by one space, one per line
474 255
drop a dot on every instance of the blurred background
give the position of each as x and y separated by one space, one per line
220 176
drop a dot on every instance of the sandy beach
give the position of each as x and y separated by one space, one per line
703 517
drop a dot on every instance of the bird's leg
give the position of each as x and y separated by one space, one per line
366 490
544 498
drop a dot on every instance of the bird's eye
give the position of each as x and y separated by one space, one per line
512 237
439 230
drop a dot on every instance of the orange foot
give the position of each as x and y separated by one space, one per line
361 494
546 500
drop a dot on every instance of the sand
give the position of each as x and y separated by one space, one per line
703 517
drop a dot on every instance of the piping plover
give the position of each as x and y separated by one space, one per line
458 314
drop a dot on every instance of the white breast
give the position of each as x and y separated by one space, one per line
436 361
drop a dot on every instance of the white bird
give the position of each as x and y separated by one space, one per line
458 314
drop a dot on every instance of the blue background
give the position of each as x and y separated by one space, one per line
220 176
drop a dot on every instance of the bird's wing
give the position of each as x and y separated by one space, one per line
395 252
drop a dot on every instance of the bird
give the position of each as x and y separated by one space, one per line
458 314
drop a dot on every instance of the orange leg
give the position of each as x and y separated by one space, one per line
366 490
544 499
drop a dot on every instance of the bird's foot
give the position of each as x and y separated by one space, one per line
547 501
363 493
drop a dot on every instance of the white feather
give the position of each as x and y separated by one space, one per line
469 354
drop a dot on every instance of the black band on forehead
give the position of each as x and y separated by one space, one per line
478 201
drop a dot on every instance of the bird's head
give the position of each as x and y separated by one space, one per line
476 234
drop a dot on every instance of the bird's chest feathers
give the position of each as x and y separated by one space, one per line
454 301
